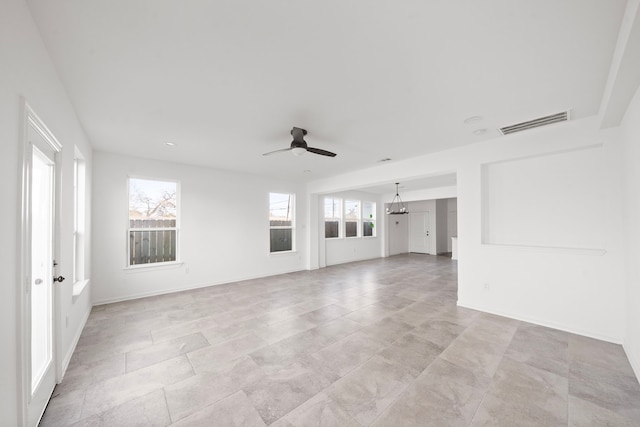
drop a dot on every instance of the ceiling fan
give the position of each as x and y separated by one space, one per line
299 145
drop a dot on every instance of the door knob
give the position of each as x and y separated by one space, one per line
58 279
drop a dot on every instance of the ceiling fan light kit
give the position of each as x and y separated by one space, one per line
299 145
397 206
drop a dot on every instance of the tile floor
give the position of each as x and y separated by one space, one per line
378 343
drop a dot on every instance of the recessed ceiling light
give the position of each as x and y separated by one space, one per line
472 119
306 171
170 144
480 131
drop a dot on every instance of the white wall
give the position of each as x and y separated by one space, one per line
427 193
441 226
572 290
342 250
452 221
398 234
27 71
631 141
224 228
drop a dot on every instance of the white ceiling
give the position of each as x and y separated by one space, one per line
226 80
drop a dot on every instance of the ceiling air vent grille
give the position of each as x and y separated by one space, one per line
542 121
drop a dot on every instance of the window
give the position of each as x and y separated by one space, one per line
153 230
79 186
332 217
368 219
281 222
351 218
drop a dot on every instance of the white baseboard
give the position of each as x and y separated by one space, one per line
72 348
188 288
634 359
541 322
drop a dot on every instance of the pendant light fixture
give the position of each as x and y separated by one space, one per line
397 206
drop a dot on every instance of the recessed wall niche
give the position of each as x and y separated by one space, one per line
550 201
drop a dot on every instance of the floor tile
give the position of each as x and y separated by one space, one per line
278 331
387 330
208 359
163 351
541 347
148 410
496 412
446 393
368 390
520 385
369 314
608 388
81 375
235 410
325 314
348 353
320 410
279 393
474 354
201 390
115 391
439 332
414 362
281 354
63 409
586 414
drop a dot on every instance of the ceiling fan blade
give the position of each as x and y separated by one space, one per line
321 152
277 151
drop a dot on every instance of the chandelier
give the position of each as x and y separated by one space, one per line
397 206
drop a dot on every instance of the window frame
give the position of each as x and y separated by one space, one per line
357 221
370 219
339 218
79 216
292 227
177 261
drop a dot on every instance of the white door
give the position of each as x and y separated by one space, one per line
419 240
40 293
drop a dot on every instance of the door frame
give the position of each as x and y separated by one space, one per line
29 118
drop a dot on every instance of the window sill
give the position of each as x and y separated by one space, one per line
283 253
350 238
154 266
78 288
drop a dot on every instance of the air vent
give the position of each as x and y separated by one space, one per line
542 121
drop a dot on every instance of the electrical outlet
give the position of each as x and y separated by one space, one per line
487 287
